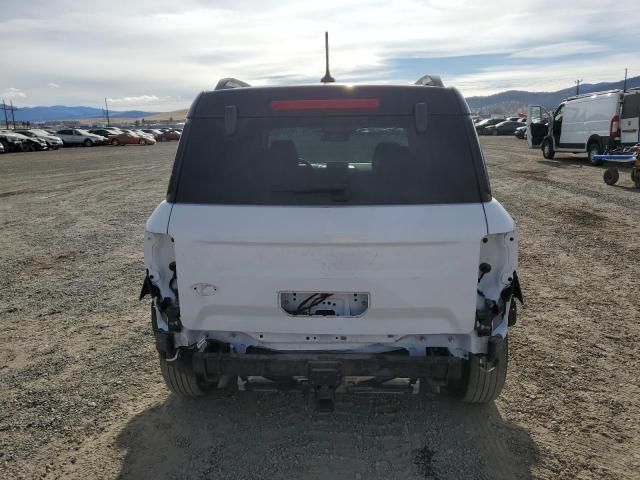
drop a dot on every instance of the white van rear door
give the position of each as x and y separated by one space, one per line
630 119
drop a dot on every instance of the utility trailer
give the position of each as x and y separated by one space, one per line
623 156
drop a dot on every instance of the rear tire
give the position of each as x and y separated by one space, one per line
115 142
594 149
183 383
88 143
142 142
494 133
477 384
547 150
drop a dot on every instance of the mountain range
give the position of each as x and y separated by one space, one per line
508 102
513 101
61 112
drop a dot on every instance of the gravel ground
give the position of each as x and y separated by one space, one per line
81 394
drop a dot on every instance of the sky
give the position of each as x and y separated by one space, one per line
157 55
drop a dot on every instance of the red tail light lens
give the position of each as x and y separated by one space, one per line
615 127
331 104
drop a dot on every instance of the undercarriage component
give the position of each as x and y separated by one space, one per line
297 364
325 373
324 378
495 351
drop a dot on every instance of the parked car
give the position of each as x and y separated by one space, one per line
130 139
168 135
364 286
588 123
106 132
482 125
503 128
154 132
521 132
78 136
11 142
28 144
142 133
52 141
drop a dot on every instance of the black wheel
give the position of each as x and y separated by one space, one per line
88 143
594 149
494 132
611 176
142 142
547 149
115 142
479 385
183 382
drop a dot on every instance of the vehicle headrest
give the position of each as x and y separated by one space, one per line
385 150
388 154
284 151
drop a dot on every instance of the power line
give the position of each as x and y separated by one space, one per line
106 105
9 108
13 117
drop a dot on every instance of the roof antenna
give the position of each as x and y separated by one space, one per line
327 76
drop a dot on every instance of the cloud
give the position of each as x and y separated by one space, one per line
134 100
53 85
541 77
551 50
177 52
12 93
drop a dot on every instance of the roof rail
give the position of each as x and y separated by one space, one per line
430 81
591 94
227 83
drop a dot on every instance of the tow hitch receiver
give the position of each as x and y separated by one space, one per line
324 378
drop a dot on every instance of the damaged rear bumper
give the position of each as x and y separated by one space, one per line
215 364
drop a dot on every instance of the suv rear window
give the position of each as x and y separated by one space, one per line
326 160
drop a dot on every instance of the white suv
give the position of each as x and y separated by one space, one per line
77 136
315 233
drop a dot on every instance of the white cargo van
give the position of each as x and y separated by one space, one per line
584 123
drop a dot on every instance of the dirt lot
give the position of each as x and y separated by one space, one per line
80 389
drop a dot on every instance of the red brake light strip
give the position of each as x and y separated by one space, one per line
331 104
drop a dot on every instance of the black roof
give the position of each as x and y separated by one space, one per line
393 99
